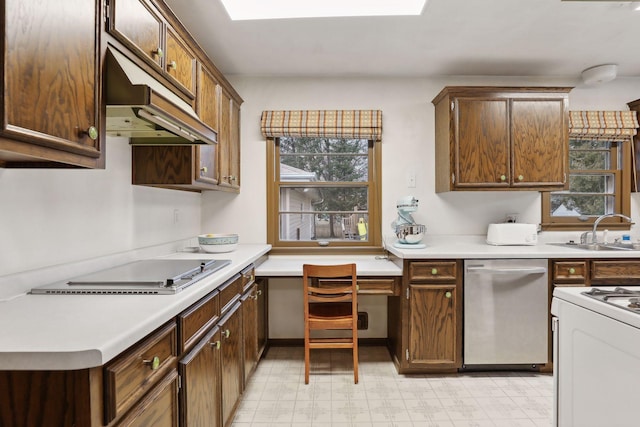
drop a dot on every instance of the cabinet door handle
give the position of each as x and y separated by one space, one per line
204 169
434 271
215 344
572 270
447 294
158 52
91 132
259 292
153 363
503 178
226 333
172 65
520 178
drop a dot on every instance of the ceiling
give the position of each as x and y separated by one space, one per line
451 37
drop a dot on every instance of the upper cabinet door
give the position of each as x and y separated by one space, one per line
482 142
180 62
539 142
51 81
139 27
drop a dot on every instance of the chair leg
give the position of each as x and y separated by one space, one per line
306 357
355 361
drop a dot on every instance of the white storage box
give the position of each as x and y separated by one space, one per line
512 234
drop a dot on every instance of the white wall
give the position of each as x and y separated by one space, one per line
51 216
408 146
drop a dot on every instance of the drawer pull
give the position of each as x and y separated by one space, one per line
153 363
434 271
226 333
447 294
215 345
572 270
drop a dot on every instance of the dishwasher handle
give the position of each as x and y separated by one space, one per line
502 270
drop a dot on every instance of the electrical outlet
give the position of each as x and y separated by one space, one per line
512 217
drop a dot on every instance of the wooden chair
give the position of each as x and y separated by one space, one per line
330 303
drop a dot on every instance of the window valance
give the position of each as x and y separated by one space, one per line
603 124
365 124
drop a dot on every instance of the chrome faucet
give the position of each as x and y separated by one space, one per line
594 237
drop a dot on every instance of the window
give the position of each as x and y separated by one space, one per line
600 164
323 192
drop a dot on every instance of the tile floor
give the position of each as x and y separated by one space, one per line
277 396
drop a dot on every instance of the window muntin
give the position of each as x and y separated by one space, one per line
324 191
599 183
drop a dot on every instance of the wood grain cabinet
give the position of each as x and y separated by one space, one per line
232 373
141 27
229 143
51 90
425 321
179 167
498 138
201 393
130 376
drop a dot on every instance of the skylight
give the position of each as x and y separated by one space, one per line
240 10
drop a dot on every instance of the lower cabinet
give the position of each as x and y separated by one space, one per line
189 372
201 392
425 321
232 372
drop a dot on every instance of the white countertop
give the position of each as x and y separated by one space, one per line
291 265
51 332
79 331
573 295
475 247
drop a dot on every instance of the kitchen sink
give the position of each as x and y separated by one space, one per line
599 246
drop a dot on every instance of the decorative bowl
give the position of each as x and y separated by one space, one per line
218 243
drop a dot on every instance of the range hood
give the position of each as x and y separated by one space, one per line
141 108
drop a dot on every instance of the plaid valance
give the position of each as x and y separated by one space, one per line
365 124
611 125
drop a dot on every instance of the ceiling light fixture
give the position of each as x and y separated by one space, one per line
240 10
599 74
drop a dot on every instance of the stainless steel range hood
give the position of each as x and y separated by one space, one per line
141 108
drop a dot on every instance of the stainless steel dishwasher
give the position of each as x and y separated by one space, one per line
505 312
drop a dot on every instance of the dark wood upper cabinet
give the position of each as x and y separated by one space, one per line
138 26
51 92
492 138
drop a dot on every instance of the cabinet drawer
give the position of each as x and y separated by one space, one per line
569 271
230 293
615 271
131 375
437 271
194 322
248 277
159 408
371 285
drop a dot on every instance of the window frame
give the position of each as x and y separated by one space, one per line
374 228
620 151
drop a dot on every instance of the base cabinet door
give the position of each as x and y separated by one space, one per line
232 361
432 325
250 331
201 392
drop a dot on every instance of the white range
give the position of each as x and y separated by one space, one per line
596 356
